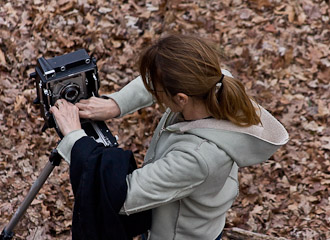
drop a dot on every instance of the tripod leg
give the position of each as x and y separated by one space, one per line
7 232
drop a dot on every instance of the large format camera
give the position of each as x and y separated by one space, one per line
72 76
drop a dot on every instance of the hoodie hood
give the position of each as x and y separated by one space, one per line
245 145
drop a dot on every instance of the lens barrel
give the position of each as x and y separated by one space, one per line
70 93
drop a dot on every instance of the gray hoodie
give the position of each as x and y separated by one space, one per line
189 177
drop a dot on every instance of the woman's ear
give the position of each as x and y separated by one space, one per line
181 99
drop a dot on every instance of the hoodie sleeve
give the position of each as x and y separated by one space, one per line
132 97
67 143
165 180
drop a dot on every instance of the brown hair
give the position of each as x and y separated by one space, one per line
187 64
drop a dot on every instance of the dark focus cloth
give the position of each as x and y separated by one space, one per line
98 179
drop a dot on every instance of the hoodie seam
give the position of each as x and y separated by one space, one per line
237 184
200 144
177 220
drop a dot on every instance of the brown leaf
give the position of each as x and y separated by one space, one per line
2 58
245 14
270 28
279 50
326 142
290 12
19 102
313 126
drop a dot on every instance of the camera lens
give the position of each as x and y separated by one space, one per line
70 93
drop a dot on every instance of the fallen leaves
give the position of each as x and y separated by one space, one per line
279 49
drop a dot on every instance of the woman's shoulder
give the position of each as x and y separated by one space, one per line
202 148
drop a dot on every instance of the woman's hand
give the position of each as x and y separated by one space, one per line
98 108
66 115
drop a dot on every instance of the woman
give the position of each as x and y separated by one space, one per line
209 129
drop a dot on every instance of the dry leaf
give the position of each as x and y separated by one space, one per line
2 58
279 50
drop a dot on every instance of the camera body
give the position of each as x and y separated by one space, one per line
72 77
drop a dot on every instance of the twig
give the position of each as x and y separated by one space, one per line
241 234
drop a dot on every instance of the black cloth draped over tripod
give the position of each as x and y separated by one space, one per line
98 179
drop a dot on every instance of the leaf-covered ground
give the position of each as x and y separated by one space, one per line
279 49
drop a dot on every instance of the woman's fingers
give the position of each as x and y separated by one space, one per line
84 101
66 115
85 114
54 110
98 108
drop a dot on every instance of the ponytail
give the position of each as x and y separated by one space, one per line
186 64
232 103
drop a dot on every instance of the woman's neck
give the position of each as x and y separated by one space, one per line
195 110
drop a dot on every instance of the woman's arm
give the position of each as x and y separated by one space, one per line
168 179
132 97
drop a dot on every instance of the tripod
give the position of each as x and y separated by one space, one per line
54 160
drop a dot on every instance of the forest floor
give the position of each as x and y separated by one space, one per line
278 49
